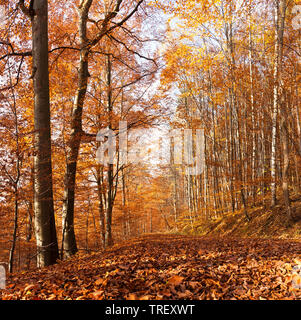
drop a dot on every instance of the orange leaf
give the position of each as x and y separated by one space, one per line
194 284
175 280
132 296
98 294
99 282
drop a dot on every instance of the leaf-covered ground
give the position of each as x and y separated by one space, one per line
170 267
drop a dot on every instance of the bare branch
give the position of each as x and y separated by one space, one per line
18 77
111 15
132 51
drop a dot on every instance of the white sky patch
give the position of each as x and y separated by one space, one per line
145 146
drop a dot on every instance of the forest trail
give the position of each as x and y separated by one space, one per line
169 267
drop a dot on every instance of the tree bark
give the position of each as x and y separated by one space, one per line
46 238
13 246
110 195
275 103
101 206
69 246
284 115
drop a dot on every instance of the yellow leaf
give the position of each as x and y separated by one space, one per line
29 287
98 295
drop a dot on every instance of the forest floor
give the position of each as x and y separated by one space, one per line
170 267
266 222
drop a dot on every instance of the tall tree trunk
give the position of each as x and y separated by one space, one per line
101 206
150 221
15 180
237 152
69 246
284 114
110 195
13 246
109 211
47 245
124 203
277 63
285 173
253 158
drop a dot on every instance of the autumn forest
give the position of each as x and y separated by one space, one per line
151 150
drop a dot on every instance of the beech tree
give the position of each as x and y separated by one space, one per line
69 69
106 26
47 245
249 127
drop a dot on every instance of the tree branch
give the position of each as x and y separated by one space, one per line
132 51
111 15
29 12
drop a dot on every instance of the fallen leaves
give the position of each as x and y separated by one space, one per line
175 280
132 296
29 287
99 282
168 267
98 295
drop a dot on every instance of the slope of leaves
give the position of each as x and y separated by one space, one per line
265 222
169 267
